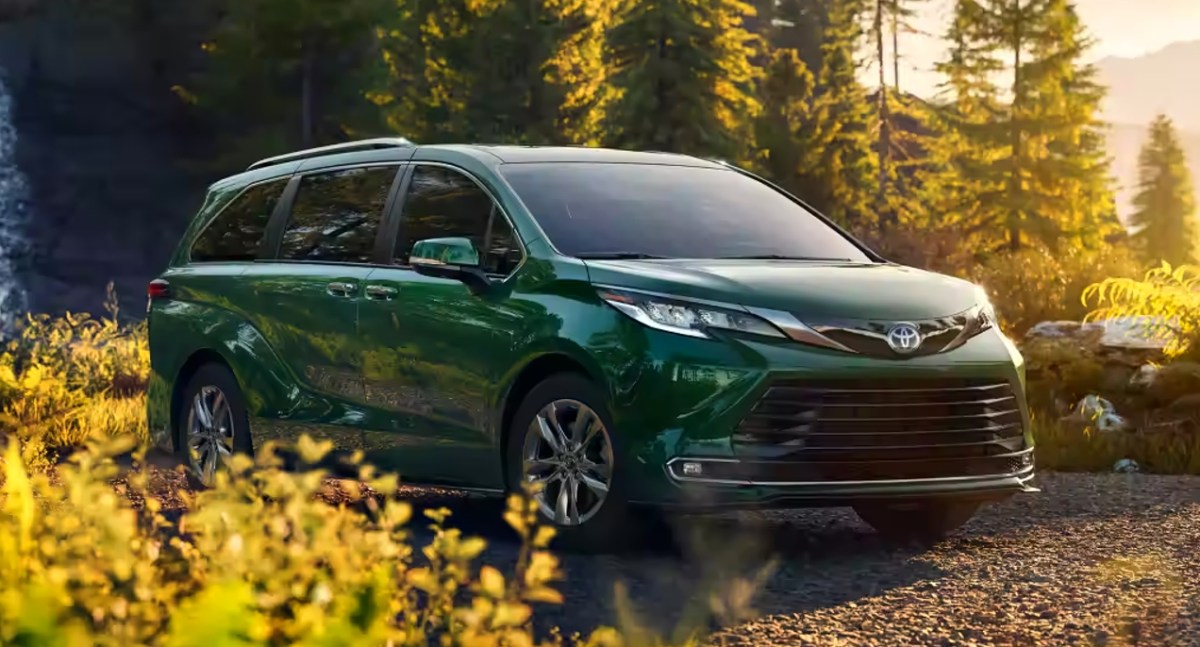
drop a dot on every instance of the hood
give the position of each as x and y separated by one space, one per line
879 291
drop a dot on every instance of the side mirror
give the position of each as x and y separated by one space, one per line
449 258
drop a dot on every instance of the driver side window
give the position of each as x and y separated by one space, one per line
445 203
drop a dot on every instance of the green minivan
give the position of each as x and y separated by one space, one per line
632 330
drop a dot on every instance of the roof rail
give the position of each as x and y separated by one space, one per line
347 147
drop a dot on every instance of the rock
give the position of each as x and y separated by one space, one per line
1093 406
1174 381
1053 329
1126 466
1099 414
1144 377
1116 377
1142 333
1112 422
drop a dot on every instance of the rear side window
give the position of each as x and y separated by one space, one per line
238 230
336 216
445 203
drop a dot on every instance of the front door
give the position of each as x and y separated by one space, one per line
436 350
309 295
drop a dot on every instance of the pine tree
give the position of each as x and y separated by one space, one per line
1034 170
684 79
800 25
427 53
494 71
899 15
896 150
962 185
842 123
283 74
790 151
1076 163
1165 216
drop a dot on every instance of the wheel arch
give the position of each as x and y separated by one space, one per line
529 375
197 359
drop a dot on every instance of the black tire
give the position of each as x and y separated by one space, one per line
925 522
611 526
207 377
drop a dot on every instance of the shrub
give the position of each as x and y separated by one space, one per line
1169 295
257 560
67 379
1036 284
1028 286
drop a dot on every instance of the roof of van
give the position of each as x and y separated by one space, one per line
398 149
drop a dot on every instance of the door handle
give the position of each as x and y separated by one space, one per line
341 289
381 292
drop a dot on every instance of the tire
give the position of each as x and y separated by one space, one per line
215 385
607 526
926 522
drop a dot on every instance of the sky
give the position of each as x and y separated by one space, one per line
1126 28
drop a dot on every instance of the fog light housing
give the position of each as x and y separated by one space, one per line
692 469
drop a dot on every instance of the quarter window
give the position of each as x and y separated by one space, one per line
336 216
237 232
445 203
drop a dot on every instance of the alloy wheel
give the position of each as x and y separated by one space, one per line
569 453
209 433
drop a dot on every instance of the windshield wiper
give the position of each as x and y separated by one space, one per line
615 256
782 257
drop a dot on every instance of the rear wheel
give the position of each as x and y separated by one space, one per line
562 437
212 425
924 522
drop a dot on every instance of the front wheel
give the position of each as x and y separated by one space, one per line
926 522
213 424
562 438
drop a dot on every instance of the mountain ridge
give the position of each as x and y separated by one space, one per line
1165 81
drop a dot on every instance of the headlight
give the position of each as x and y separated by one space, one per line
686 317
984 315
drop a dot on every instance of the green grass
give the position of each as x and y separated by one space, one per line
1063 448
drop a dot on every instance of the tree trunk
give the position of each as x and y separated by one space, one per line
896 45
1018 109
884 145
306 98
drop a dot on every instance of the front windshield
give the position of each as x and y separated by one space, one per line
657 211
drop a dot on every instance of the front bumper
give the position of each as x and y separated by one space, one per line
692 449
708 493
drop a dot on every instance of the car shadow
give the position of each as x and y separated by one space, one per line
749 564
743 564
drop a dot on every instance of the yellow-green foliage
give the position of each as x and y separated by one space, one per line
1169 293
64 380
257 560
1037 284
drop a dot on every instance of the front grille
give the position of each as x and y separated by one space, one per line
870 337
833 430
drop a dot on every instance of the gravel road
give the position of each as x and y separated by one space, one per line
1095 559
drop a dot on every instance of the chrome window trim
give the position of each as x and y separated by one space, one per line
220 212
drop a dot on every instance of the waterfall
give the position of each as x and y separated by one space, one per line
14 193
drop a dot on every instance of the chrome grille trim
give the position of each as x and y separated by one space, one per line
797 330
870 428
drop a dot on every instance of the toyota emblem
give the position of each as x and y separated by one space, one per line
904 338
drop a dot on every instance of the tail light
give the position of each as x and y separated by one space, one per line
158 289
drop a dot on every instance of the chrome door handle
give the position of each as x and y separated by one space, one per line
381 292
341 289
